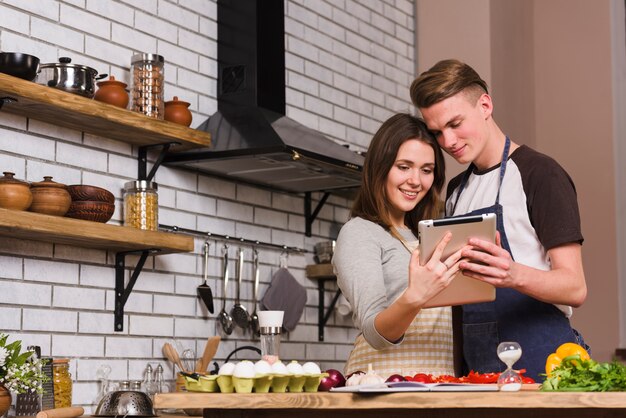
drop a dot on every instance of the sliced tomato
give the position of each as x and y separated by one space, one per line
408 378
423 378
475 377
446 378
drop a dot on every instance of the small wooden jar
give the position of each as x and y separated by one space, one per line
50 197
14 194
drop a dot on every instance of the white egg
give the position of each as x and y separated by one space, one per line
295 368
311 368
262 367
244 368
279 368
227 369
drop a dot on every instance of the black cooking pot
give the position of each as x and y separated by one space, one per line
73 78
19 65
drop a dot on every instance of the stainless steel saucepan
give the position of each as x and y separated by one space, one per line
73 78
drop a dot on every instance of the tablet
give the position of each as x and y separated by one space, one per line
463 289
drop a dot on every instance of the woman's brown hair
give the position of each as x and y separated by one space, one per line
372 202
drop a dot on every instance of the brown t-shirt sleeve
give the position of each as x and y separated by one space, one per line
551 198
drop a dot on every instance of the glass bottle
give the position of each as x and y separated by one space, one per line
62 383
141 205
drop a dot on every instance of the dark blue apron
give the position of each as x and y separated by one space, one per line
538 327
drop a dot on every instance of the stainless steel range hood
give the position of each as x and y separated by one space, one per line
252 139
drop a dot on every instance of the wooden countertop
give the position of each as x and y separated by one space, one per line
458 404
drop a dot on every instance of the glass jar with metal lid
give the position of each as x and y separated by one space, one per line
147 83
141 205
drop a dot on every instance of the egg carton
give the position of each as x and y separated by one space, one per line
261 383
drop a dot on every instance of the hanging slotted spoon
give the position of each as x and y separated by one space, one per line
204 291
225 319
254 318
239 313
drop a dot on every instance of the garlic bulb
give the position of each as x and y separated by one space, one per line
355 379
371 378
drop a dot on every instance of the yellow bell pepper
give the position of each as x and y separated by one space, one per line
564 350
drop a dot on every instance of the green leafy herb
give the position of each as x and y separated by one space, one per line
575 374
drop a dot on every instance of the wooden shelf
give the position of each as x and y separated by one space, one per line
431 404
320 271
56 229
72 111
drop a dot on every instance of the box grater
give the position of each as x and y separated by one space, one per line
47 399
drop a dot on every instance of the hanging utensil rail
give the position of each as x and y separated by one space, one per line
251 242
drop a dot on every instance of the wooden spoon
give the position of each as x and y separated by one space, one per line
209 352
172 355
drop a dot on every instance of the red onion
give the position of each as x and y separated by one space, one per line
334 380
395 378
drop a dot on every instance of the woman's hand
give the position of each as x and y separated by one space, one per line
426 281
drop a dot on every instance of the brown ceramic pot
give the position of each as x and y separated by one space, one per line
14 194
178 111
112 92
50 197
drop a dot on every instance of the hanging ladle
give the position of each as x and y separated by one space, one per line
239 313
254 318
204 291
226 321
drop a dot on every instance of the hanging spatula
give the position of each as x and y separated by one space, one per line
204 291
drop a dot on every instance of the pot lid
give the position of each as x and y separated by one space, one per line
8 179
65 62
111 82
48 182
176 101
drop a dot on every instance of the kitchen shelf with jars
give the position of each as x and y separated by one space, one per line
73 111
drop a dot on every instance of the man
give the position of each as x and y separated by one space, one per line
536 265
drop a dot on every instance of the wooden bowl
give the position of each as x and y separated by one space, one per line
85 192
90 210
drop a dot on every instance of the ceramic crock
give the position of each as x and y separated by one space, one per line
112 92
50 197
178 111
14 194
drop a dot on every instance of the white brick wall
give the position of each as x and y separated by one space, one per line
349 65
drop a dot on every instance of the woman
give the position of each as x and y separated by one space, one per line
403 175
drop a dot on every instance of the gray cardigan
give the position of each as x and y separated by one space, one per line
372 271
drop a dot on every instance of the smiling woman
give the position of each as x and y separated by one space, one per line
377 269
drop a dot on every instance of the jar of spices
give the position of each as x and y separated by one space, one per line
147 85
62 380
141 205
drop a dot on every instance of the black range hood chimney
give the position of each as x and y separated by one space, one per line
252 139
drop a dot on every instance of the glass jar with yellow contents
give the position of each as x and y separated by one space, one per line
141 205
62 383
